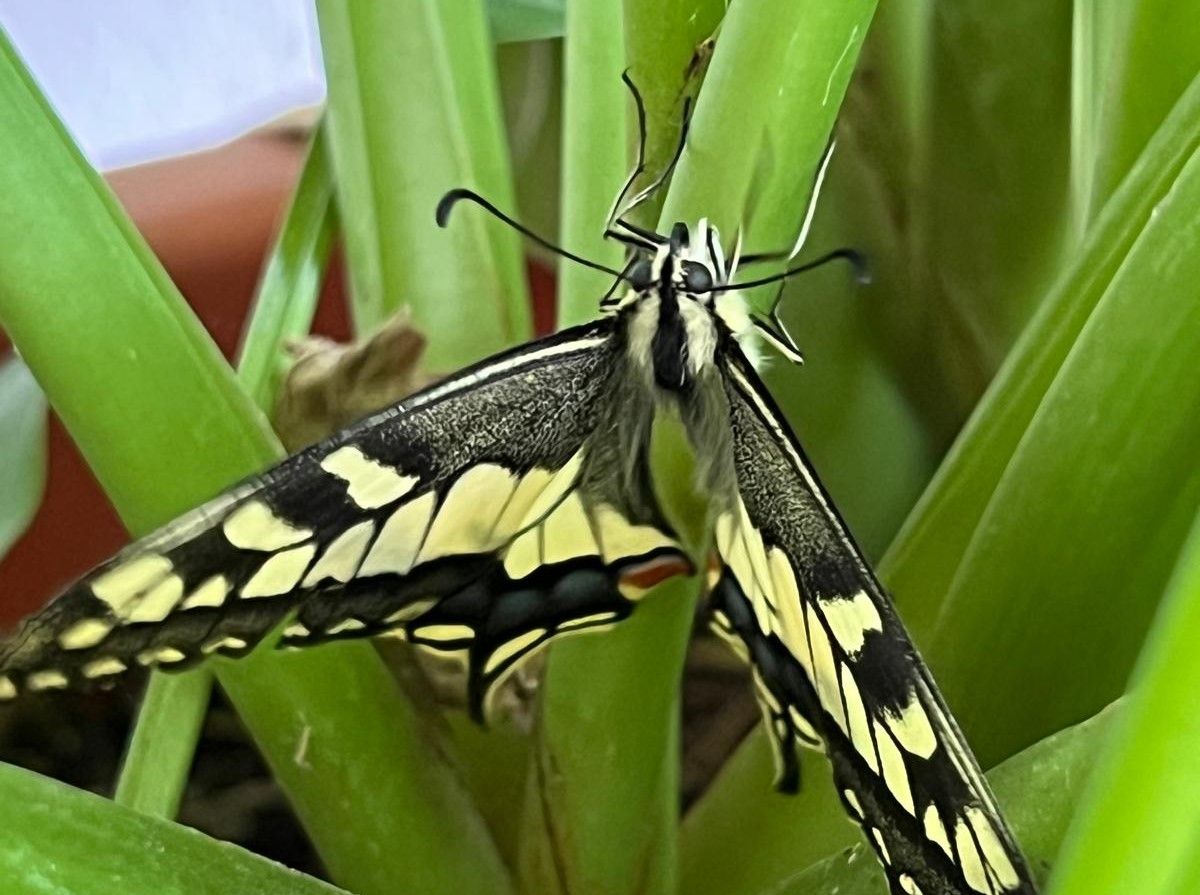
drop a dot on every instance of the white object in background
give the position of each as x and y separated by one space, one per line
136 80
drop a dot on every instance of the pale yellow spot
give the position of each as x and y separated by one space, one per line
400 538
909 885
85 633
279 574
895 774
506 651
513 519
295 630
120 586
850 620
210 594
935 830
787 603
738 561
106 667
823 668
409 612
860 726
46 680
467 518
912 728
756 553
765 695
852 801
341 558
877 835
156 604
346 625
724 531
619 539
7 689
223 643
587 621
567 534
969 859
806 731
563 481
524 555
369 483
444 633
253 526
164 655
992 848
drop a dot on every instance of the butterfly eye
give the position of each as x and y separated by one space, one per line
696 277
640 276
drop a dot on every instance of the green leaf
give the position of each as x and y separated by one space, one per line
926 554
595 106
396 151
61 840
22 450
994 222
1142 57
1136 828
1038 789
516 20
1113 441
143 389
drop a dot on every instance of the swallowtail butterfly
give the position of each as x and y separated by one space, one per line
513 503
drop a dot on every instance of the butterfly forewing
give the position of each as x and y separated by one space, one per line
468 518
835 669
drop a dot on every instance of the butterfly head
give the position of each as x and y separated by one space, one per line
673 305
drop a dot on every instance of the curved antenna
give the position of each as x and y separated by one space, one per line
640 165
662 178
861 272
452 198
809 212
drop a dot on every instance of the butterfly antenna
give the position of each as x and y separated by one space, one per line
452 198
662 178
640 165
857 261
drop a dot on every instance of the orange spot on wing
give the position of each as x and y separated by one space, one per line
647 574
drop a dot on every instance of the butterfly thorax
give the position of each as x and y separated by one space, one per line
673 328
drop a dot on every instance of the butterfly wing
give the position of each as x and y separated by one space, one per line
481 516
835 670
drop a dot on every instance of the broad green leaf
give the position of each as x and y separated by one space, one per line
63 840
926 554
1064 571
1143 55
1038 789
164 423
994 221
22 450
595 107
1136 829
400 139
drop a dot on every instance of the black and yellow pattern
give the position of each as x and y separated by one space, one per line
512 504
835 670
468 518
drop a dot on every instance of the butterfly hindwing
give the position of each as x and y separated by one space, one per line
835 669
471 517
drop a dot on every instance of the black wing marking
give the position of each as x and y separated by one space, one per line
836 670
478 516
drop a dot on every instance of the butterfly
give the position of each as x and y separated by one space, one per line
513 503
